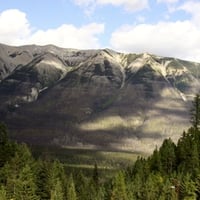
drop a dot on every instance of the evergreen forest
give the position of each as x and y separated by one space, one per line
172 172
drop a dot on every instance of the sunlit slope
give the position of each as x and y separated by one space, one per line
95 98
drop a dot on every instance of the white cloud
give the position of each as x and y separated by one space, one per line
14 26
16 30
167 1
129 5
177 39
70 36
192 7
133 5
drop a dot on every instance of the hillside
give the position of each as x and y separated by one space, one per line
95 98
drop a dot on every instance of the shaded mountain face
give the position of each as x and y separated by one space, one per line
95 98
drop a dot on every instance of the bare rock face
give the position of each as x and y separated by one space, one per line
95 98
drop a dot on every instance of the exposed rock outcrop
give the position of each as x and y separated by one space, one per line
101 98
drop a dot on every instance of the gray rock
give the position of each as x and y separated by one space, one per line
98 98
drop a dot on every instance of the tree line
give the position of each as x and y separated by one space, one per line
172 172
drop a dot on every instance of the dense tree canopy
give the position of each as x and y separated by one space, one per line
171 172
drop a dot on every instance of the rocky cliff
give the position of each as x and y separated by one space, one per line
95 98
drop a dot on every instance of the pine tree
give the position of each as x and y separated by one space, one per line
188 153
42 179
168 191
25 185
7 148
137 187
197 183
15 169
119 188
193 164
82 184
195 112
153 186
71 192
96 176
19 175
3 193
57 192
187 188
155 161
168 156
56 171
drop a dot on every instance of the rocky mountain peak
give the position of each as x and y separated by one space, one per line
103 98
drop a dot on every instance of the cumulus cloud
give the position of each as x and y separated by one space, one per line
70 36
129 5
177 39
16 30
14 26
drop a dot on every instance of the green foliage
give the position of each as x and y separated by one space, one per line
3 193
168 156
155 161
7 148
119 188
57 191
42 179
171 172
96 176
195 112
25 186
187 188
188 152
71 192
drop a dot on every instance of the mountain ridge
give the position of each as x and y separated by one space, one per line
95 98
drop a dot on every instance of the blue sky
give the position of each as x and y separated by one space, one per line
162 27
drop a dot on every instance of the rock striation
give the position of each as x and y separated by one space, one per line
95 98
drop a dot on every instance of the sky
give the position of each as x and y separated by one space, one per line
162 27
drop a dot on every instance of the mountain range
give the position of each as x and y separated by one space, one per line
95 98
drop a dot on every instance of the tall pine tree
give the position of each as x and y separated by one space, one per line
119 191
71 192
195 112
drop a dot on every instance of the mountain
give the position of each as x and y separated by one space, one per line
95 98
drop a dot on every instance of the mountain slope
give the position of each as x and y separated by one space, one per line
95 98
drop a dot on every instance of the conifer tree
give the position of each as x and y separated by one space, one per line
119 188
71 192
17 170
57 192
168 156
3 193
137 186
25 185
96 176
82 185
7 148
188 153
151 188
197 184
155 161
168 191
42 179
187 188
193 164
55 172
195 112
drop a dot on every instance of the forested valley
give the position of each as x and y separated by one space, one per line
172 172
